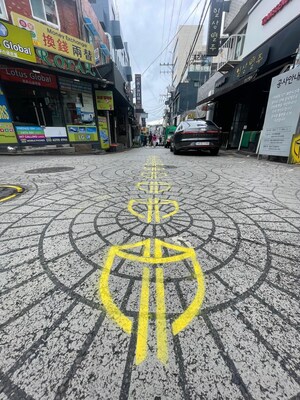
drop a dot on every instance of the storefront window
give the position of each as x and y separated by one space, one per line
34 105
77 101
45 10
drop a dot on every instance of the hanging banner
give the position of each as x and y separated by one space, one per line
15 43
214 27
103 132
282 114
7 132
104 100
138 90
55 41
82 133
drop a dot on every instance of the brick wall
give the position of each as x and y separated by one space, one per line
68 17
66 10
18 6
89 12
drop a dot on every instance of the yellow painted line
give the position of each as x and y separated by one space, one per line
193 309
183 252
153 187
156 211
143 320
161 323
19 189
152 204
112 309
150 211
131 209
176 208
8 197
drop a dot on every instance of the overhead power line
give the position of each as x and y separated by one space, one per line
171 20
197 34
172 38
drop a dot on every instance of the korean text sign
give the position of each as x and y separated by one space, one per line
55 41
214 27
282 114
105 100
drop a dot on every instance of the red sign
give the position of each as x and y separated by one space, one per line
28 76
274 11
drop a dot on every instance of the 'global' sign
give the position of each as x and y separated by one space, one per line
16 47
16 43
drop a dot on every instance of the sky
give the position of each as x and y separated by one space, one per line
148 26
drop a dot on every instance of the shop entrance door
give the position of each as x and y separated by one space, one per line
35 106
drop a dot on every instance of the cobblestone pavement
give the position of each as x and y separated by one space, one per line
103 262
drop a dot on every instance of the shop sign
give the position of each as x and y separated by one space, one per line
82 133
103 132
31 134
55 41
27 76
104 100
7 133
15 43
274 11
138 90
4 111
251 63
56 134
65 64
282 115
214 27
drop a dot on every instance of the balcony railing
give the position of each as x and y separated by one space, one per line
230 53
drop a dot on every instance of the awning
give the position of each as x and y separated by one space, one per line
90 26
104 49
270 56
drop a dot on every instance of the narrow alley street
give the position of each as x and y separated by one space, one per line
146 275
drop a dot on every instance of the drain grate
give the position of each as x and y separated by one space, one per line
50 170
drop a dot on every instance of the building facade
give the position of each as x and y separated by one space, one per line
51 87
186 79
262 42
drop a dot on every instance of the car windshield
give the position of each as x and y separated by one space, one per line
196 125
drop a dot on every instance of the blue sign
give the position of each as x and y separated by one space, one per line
4 111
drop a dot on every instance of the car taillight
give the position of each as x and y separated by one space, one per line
212 131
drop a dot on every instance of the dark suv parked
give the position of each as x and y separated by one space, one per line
196 135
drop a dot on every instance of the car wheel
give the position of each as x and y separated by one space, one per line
214 152
175 151
171 148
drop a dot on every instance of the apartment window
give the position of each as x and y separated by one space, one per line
45 10
3 13
240 43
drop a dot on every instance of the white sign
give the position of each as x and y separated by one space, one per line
282 114
55 132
